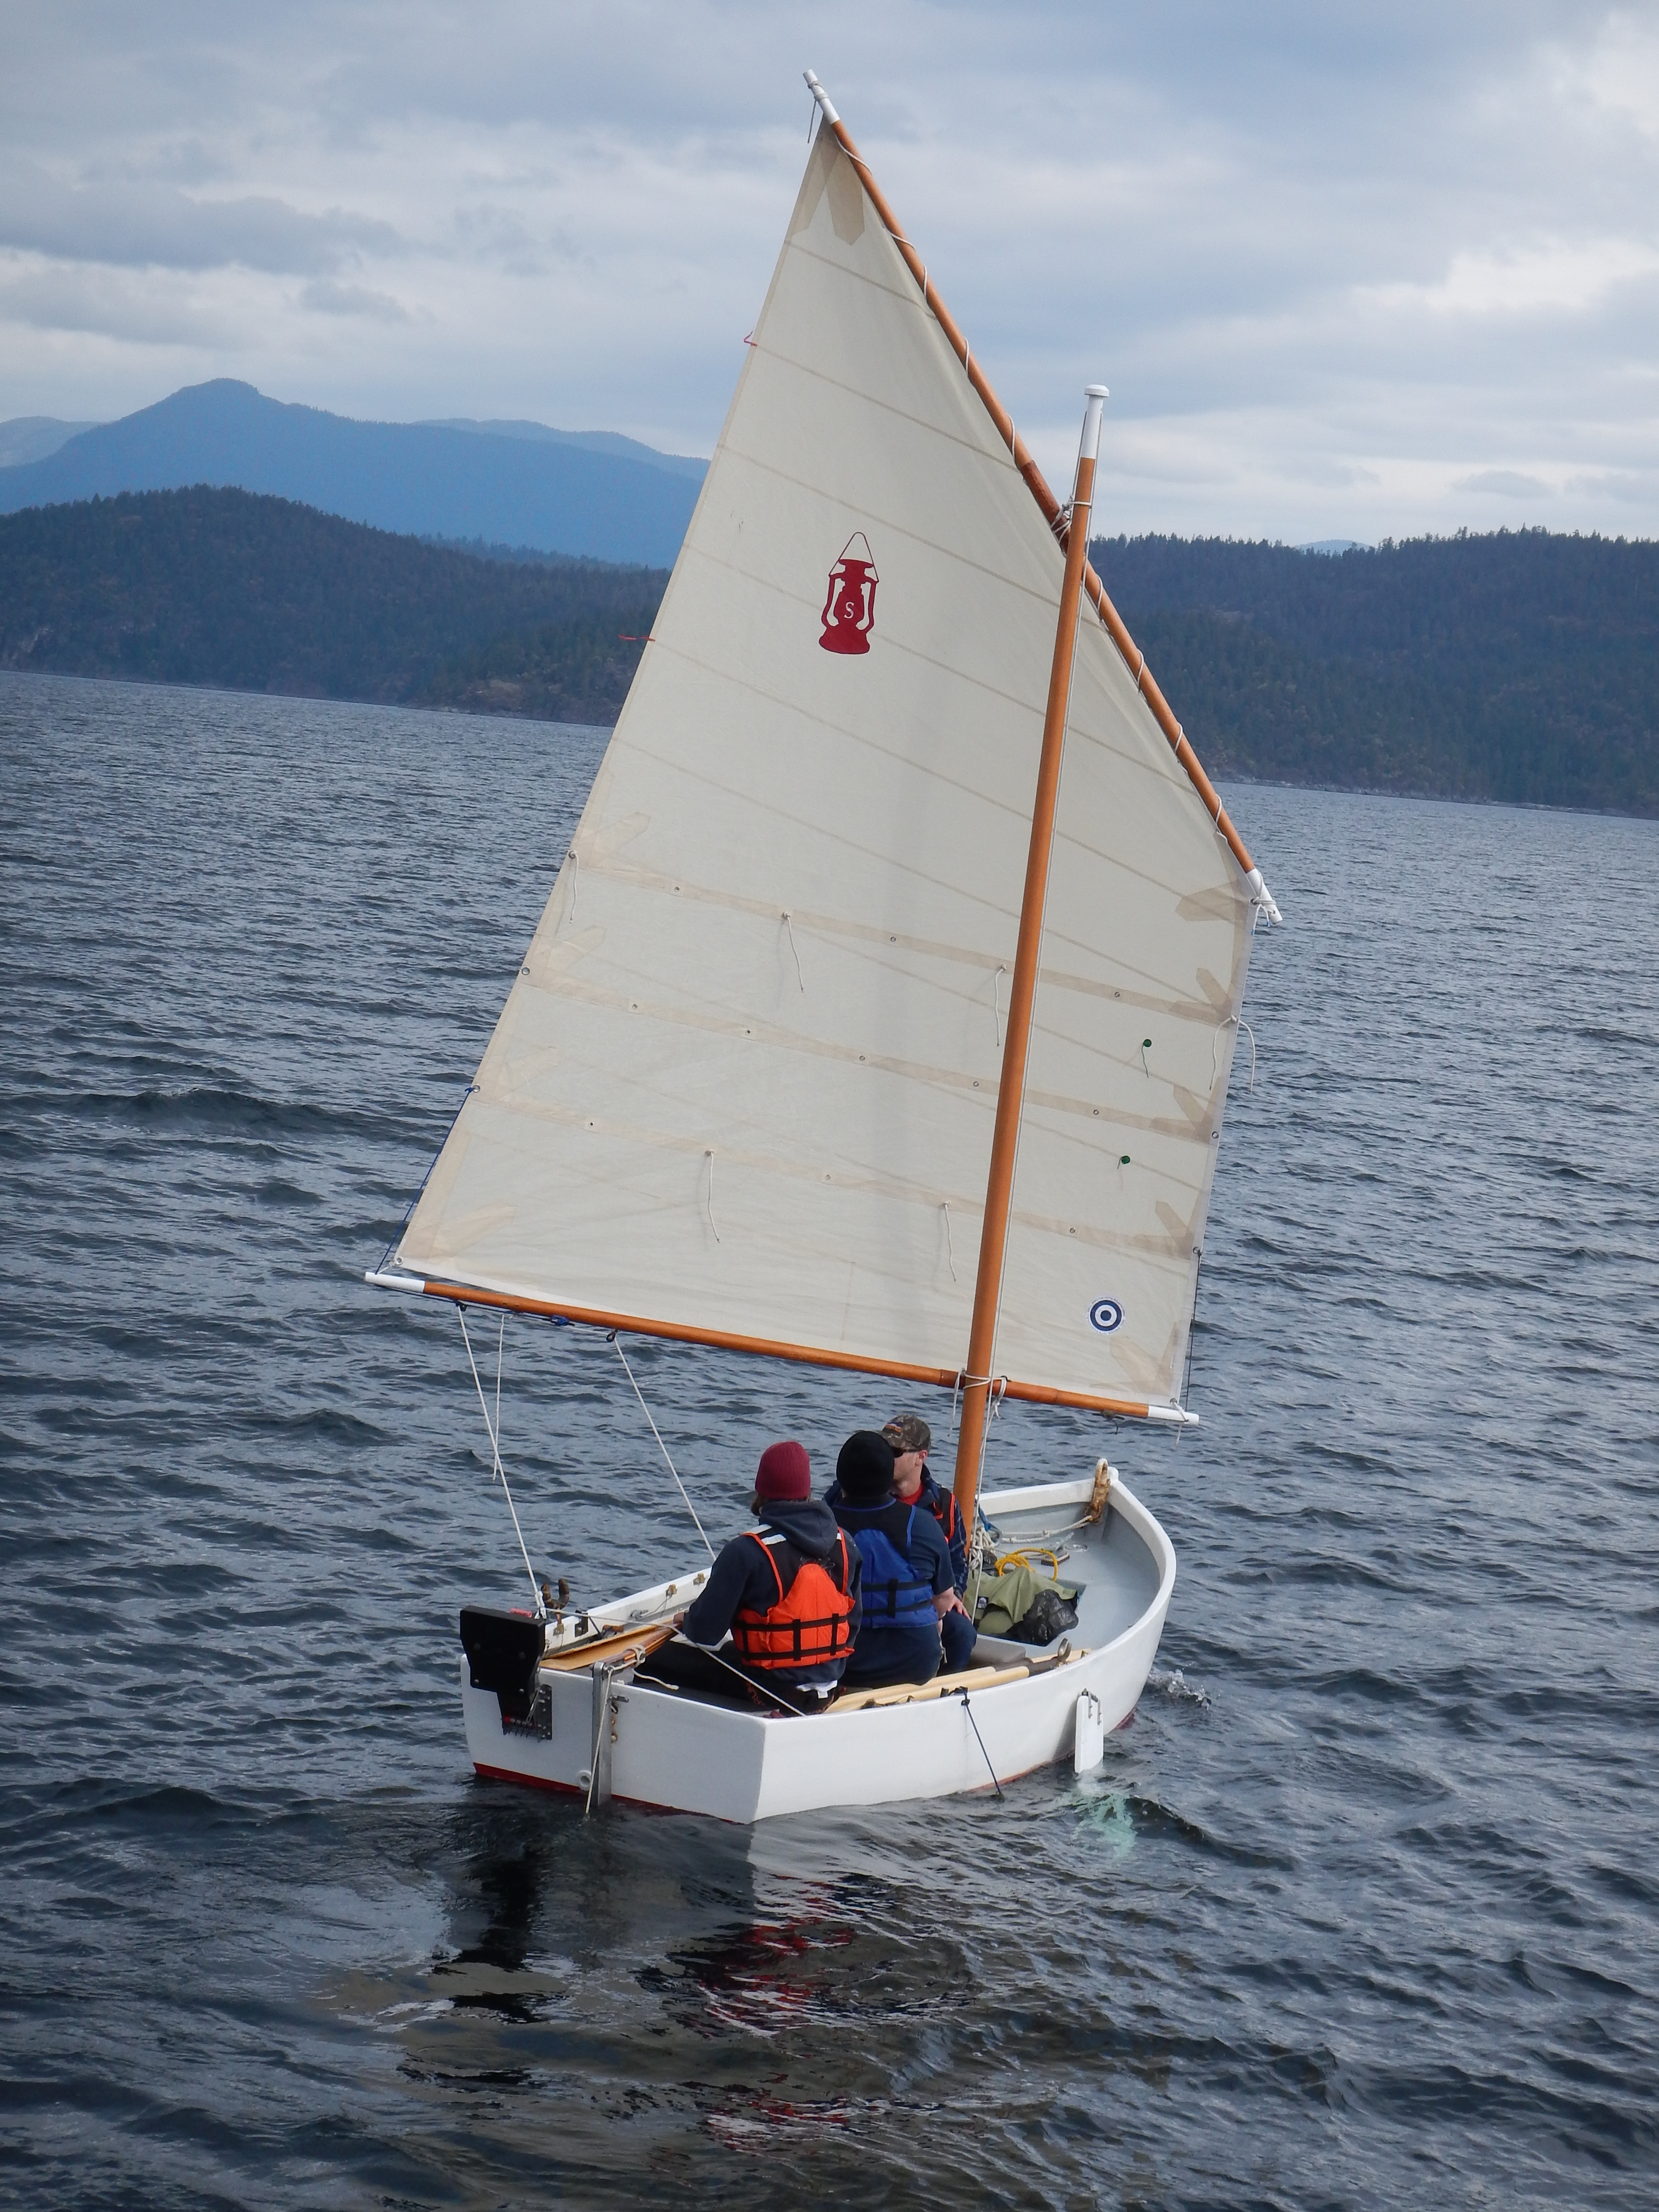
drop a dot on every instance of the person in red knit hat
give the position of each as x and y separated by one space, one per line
786 1594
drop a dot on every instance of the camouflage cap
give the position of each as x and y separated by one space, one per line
909 1432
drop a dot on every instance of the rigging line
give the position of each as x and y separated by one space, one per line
980 1741
709 1156
794 948
950 1240
616 1340
766 1689
996 1389
483 1407
576 863
996 1003
1227 1022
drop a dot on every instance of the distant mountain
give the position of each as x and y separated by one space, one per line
553 490
31 437
595 442
256 594
1520 665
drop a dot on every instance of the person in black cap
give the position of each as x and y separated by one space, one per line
907 1580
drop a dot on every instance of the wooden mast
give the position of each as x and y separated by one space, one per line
1010 1091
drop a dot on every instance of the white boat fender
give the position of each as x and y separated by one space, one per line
1089 1746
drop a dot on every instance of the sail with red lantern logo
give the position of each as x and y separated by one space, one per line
849 605
743 1090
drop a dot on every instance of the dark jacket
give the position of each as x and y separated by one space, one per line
942 1504
879 1650
742 1577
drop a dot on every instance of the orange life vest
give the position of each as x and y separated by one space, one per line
807 1624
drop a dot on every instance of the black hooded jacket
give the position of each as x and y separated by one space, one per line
741 1575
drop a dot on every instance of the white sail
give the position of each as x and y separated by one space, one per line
744 1087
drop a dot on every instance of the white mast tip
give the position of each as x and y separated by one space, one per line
820 96
1095 391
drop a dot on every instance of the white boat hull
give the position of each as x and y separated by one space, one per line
670 1750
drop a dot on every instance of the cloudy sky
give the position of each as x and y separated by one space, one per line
1349 271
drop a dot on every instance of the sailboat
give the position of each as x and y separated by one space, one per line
882 1016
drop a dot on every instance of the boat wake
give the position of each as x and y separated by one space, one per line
1173 1684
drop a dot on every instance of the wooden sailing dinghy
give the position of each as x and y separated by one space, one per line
881 1017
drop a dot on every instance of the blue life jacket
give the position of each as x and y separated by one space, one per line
894 1597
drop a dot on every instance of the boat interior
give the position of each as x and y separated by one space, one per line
1068 1532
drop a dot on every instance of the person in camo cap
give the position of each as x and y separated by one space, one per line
912 1440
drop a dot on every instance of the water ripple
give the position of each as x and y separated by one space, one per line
1359 1911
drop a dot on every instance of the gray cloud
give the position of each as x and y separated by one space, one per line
1344 269
1504 483
131 310
138 223
325 297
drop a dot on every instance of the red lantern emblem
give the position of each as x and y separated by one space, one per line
849 606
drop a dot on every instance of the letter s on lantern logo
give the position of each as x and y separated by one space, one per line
849 605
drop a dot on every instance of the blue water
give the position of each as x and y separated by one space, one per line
1361 1909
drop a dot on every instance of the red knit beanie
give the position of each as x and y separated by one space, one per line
785 1472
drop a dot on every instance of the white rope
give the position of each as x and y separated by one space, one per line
574 865
790 926
1230 1021
500 1348
495 1451
709 1156
950 1240
996 1003
617 1340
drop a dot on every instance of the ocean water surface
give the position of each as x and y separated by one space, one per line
1360 1911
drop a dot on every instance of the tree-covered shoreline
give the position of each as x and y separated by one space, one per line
1521 667
246 593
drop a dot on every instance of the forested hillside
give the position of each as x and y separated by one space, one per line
256 595
1521 667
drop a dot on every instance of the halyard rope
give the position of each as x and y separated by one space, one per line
616 1340
495 1450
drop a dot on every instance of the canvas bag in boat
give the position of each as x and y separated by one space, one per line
893 1596
808 1624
